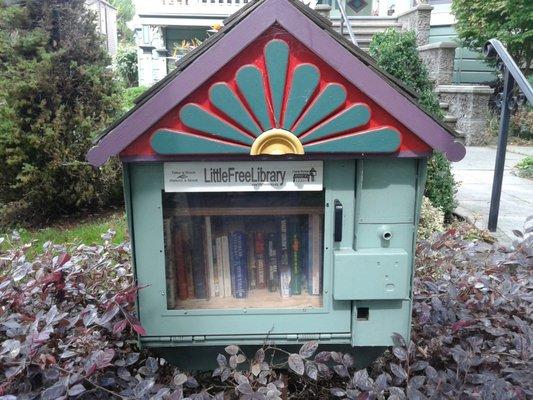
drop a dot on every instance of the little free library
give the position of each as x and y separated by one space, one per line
273 184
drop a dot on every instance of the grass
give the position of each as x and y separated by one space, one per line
86 231
525 167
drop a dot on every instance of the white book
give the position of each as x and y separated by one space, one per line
226 266
209 257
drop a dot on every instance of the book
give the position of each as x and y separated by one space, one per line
198 259
239 260
315 254
217 270
226 267
296 281
304 251
210 284
284 269
252 263
180 262
272 255
259 251
170 271
186 233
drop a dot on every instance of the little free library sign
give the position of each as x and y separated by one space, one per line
244 176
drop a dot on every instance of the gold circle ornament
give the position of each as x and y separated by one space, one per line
276 142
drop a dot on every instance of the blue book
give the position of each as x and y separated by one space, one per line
239 264
198 259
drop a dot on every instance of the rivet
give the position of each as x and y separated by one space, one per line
162 293
244 310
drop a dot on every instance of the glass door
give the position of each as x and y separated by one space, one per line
214 264
242 249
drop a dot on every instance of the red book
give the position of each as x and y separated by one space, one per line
181 268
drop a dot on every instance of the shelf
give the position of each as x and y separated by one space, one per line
278 211
256 299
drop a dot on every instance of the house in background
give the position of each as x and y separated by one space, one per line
162 26
106 23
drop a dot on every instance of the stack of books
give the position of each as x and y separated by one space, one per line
239 257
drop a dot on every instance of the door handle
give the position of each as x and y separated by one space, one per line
337 228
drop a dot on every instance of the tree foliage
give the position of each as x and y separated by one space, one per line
507 20
125 13
396 53
57 92
126 65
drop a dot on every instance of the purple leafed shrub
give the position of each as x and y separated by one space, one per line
68 330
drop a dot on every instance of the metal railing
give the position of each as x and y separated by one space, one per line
344 20
509 101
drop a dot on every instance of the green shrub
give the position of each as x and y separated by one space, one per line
56 93
126 65
396 53
129 95
525 167
431 219
477 21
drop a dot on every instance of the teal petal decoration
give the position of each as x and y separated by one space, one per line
223 98
250 82
173 142
202 120
277 60
304 83
353 117
383 140
327 101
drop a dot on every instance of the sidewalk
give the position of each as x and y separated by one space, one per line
474 176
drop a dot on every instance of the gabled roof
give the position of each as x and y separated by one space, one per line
240 30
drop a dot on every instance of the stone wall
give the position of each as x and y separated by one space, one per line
469 104
439 60
417 19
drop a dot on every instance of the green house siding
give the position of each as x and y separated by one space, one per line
469 66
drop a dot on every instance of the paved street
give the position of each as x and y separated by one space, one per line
474 175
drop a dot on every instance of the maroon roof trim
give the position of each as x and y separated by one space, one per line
311 35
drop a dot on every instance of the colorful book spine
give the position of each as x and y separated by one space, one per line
239 262
226 267
170 272
210 284
259 244
304 251
273 278
252 263
187 247
315 254
296 278
284 269
180 262
198 260
217 269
